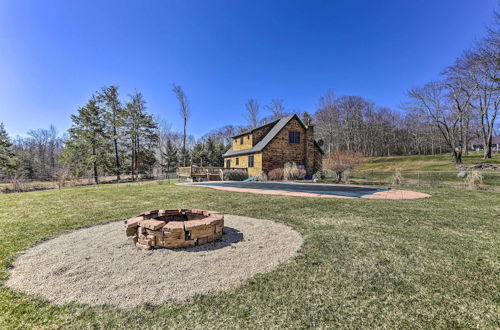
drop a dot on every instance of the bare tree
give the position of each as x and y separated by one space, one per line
185 112
252 112
481 67
433 100
276 108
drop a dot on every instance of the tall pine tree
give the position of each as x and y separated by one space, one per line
170 158
143 135
8 160
115 118
88 146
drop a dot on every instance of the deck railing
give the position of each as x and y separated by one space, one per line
211 173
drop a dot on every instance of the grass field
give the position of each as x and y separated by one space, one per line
365 263
442 162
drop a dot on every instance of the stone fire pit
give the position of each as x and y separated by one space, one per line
174 228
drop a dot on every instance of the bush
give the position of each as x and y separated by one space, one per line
317 176
291 171
341 161
235 175
262 177
276 174
474 180
397 178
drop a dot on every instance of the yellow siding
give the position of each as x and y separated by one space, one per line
247 142
256 170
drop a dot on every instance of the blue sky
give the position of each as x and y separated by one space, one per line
55 54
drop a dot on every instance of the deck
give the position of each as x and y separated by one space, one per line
200 173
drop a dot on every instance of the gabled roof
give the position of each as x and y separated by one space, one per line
248 131
494 140
278 126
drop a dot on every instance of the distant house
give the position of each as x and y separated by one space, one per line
477 144
270 146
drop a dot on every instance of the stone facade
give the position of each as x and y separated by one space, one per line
174 228
279 151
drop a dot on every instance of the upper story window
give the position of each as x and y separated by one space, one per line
294 137
241 140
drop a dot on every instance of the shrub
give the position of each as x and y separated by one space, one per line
275 174
235 175
346 175
474 180
397 178
341 161
302 174
62 176
291 171
262 177
317 176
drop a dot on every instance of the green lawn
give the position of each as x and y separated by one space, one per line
365 263
442 162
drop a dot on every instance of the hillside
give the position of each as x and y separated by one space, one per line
443 162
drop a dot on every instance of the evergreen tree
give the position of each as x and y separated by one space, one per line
143 134
8 160
198 155
170 157
88 145
210 152
115 117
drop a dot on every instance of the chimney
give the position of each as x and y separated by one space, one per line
309 146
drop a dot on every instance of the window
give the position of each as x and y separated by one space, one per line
294 137
228 163
237 161
250 161
241 140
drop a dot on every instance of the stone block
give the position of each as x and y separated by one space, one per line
199 233
195 224
178 243
142 246
174 226
219 228
133 222
156 233
152 224
202 240
146 240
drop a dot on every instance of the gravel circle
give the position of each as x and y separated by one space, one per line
98 265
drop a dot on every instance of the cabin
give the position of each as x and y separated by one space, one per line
270 146
477 144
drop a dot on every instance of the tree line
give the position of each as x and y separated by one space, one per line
441 116
110 136
464 103
114 136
